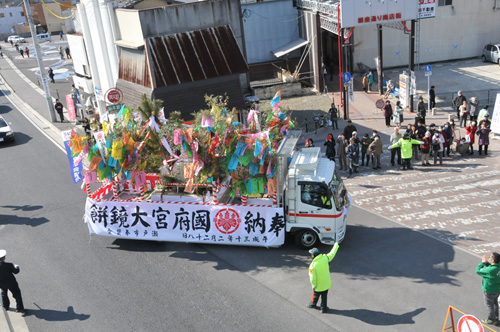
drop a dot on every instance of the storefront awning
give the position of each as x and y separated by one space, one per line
290 47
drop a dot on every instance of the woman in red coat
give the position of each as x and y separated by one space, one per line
470 135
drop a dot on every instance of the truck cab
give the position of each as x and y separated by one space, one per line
315 199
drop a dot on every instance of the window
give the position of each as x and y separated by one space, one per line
2 15
22 14
316 195
85 70
445 2
10 14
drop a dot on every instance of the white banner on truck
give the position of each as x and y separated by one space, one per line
157 221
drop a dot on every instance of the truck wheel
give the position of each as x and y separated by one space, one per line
306 239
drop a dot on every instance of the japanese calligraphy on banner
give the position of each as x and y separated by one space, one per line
218 224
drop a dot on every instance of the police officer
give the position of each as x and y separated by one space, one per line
9 283
319 274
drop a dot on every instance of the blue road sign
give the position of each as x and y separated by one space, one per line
347 77
428 68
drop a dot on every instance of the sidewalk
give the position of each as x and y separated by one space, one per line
30 99
457 202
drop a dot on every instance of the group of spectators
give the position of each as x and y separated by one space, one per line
418 141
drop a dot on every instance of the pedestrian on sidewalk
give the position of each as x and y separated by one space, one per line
437 148
51 75
387 113
27 51
370 81
470 135
421 111
397 115
17 47
61 52
68 55
484 138
365 82
396 150
390 88
330 147
352 156
319 275
341 152
365 143
483 113
426 147
489 270
11 43
464 113
376 150
61 36
9 283
334 116
22 52
473 108
349 129
486 121
59 108
458 101
309 143
432 98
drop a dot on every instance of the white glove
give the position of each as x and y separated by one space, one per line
16 266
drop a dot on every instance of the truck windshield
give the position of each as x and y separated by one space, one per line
316 194
338 191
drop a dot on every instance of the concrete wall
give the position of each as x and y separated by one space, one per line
11 16
129 25
458 31
265 31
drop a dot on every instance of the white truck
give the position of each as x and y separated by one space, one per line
310 202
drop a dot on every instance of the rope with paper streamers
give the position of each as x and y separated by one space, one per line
62 18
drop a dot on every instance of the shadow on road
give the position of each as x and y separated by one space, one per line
368 253
23 207
379 317
16 220
55 315
395 252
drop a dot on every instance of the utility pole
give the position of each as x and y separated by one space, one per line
412 61
380 67
40 61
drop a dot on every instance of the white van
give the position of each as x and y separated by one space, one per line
43 37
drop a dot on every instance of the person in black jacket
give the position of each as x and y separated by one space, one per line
349 129
334 116
432 98
330 147
59 108
9 283
459 101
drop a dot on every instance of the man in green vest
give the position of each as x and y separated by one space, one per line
406 145
489 269
319 274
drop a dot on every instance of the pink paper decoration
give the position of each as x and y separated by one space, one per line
178 136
